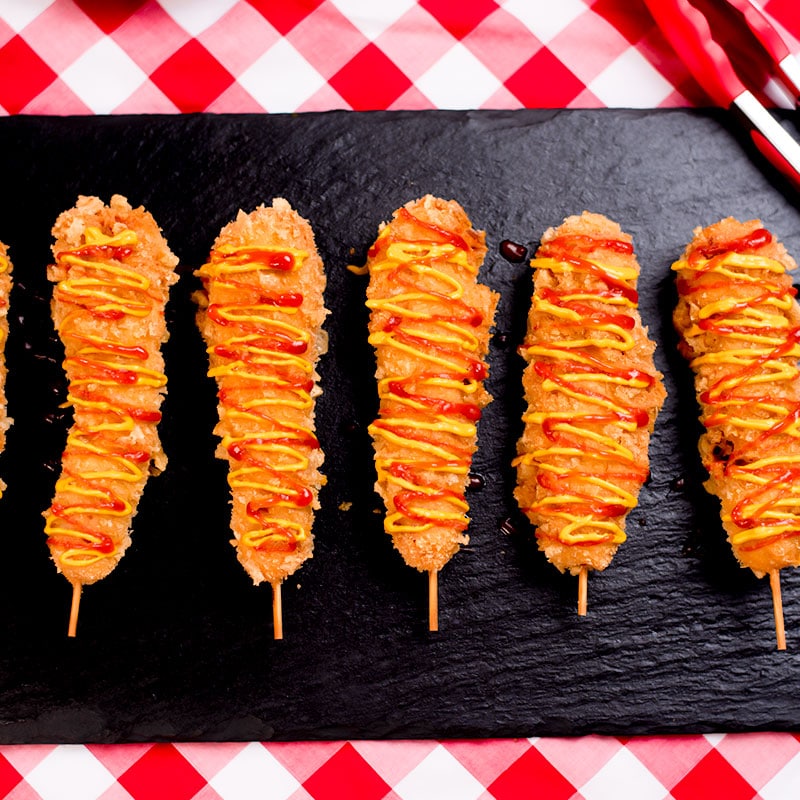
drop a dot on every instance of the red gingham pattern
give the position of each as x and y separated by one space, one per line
143 56
765 766
173 56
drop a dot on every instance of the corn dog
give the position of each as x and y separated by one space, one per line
429 324
593 394
112 274
261 313
740 329
6 282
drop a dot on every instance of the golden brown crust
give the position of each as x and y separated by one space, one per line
566 446
6 283
736 368
426 435
274 376
113 271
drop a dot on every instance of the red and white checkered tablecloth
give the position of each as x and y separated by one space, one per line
175 56
733 767
96 57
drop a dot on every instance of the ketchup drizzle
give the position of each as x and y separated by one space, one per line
260 354
407 400
760 463
581 445
83 497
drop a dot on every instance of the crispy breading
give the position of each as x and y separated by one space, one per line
6 282
430 322
112 273
592 390
739 324
267 385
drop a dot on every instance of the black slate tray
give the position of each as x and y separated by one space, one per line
177 644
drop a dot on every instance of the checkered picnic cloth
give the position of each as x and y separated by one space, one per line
733 767
143 56
176 56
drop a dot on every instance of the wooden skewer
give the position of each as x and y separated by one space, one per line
74 608
583 591
277 611
433 600
777 607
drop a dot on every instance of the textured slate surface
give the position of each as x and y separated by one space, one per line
177 644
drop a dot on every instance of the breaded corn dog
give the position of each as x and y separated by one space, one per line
429 324
740 328
112 274
6 282
593 394
261 314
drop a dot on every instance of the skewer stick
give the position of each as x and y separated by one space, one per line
777 607
277 611
433 600
583 591
74 608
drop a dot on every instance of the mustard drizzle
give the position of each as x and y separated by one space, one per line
444 348
4 263
756 318
98 287
566 365
272 450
